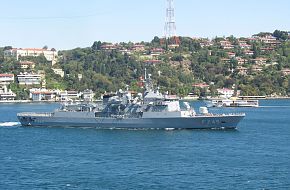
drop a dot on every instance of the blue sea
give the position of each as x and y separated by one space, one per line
255 156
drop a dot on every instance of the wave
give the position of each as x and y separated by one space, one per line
9 124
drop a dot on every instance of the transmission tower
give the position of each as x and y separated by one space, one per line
170 27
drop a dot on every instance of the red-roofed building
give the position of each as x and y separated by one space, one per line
6 79
26 64
138 47
200 85
108 47
152 62
286 71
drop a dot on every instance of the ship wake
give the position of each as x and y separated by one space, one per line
9 124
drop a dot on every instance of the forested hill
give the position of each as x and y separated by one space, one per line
256 65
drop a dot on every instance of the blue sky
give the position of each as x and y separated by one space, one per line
66 24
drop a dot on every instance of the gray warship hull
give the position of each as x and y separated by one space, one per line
88 120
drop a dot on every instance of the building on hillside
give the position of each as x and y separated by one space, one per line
241 61
225 60
200 85
286 72
249 52
29 79
6 79
225 44
256 69
231 54
152 62
50 55
242 70
59 72
260 61
270 41
108 47
6 94
244 45
157 51
26 64
138 48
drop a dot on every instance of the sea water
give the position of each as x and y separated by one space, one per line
255 156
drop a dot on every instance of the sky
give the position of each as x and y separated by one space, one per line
68 24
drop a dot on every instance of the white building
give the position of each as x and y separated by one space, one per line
29 79
50 55
6 79
26 64
225 92
59 72
6 94
88 95
69 95
40 94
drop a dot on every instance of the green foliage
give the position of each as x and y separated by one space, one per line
110 70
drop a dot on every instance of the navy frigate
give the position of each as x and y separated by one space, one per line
150 110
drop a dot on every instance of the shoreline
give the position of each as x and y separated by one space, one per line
30 101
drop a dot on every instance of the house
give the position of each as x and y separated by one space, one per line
226 44
225 92
26 64
6 79
6 94
256 68
241 61
70 95
43 95
109 47
88 95
138 48
152 62
270 41
231 54
200 85
29 79
242 70
157 51
225 60
248 52
286 71
244 44
50 55
259 61
59 72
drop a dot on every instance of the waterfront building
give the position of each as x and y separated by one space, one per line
88 95
6 94
6 79
226 93
70 95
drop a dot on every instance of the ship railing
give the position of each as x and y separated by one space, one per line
31 114
221 115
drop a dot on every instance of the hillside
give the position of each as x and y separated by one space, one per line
257 66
